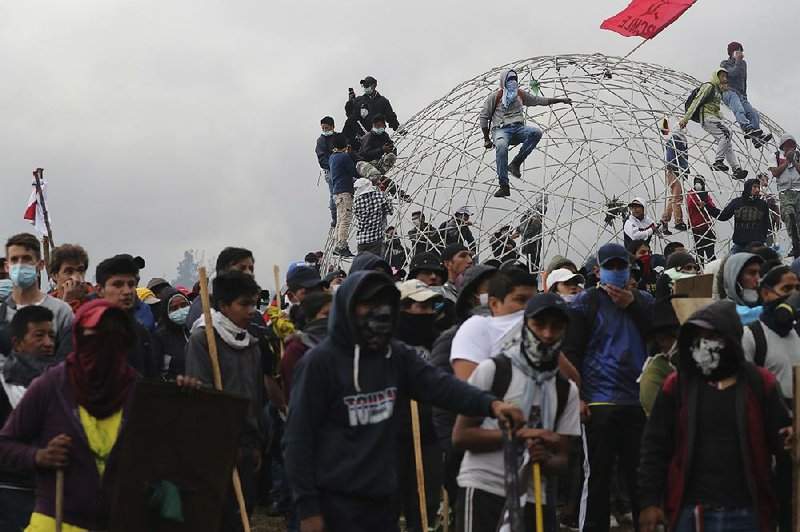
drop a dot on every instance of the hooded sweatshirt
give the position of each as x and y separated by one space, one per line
500 116
733 268
750 216
700 217
341 431
668 468
170 338
366 261
636 229
711 94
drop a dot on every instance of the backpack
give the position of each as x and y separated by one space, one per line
757 328
502 379
697 116
499 97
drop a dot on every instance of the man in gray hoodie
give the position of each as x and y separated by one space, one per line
503 117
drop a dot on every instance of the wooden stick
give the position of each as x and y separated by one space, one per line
276 271
796 451
446 510
59 499
423 507
38 175
212 353
537 494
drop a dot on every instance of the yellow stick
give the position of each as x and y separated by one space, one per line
212 352
59 499
446 508
276 271
537 494
423 507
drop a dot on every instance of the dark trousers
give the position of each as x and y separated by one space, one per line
481 511
231 519
350 514
783 489
375 247
704 241
611 431
407 492
16 507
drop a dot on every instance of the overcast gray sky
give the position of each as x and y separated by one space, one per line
164 126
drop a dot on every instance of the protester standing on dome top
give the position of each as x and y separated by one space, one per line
736 96
503 124
361 110
323 149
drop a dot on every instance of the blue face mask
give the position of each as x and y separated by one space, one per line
178 317
379 130
618 278
5 289
23 275
327 133
512 86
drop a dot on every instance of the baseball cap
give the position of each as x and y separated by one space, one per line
294 265
545 301
367 81
611 251
156 282
303 276
464 210
452 250
562 275
635 201
417 291
426 261
147 296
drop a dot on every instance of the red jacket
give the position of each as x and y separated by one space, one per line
699 218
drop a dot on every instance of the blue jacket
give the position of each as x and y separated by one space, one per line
323 150
677 153
610 356
343 172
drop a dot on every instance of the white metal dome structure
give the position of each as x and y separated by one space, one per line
595 155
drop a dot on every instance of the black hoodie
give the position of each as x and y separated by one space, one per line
751 221
170 339
341 432
366 261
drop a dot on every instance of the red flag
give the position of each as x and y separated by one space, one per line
646 18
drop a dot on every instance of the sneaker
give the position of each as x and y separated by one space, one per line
753 132
343 252
665 229
739 173
680 226
612 522
719 166
570 522
502 192
514 170
333 224
766 138
757 142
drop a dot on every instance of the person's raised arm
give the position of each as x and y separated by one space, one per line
780 169
728 211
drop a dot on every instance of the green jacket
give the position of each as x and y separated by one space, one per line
713 92
656 371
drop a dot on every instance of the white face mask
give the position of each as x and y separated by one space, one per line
706 354
484 299
568 298
698 187
749 296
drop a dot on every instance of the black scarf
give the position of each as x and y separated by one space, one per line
416 329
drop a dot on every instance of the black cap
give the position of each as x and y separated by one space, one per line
663 316
425 261
546 301
139 261
304 277
368 81
335 274
452 250
611 251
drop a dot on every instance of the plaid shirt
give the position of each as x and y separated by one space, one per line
369 211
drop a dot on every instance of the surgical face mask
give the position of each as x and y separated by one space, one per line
23 275
369 90
618 278
417 223
512 85
568 298
335 288
749 296
698 187
5 289
327 133
178 317
379 130
540 355
484 299
707 353
375 327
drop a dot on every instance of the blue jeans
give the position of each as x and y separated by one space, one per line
331 205
16 507
745 114
504 137
741 520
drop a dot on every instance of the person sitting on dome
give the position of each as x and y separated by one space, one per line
736 96
503 118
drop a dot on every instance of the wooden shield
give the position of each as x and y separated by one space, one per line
697 286
686 306
189 439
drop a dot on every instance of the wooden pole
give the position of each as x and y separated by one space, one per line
38 175
276 271
59 499
637 47
796 451
446 510
423 506
212 352
537 494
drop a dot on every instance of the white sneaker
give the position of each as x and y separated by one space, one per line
612 522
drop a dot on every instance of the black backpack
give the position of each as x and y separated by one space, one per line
757 328
502 379
697 116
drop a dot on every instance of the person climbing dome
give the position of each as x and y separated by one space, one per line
736 96
705 108
677 159
503 123
787 176
639 226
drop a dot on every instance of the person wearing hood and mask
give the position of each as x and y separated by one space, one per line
638 226
377 154
170 337
702 210
340 441
680 265
787 177
503 117
741 275
751 216
361 110
566 284
708 102
715 426
370 208
416 327
663 335
528 363
640 254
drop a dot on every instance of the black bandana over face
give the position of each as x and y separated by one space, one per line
375 327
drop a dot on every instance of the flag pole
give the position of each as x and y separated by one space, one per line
636 48
38 175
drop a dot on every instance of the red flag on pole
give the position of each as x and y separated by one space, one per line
646 18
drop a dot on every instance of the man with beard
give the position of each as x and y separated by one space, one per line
716 423
341 432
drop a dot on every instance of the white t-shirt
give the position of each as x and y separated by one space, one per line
783 352
485 471
477 338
